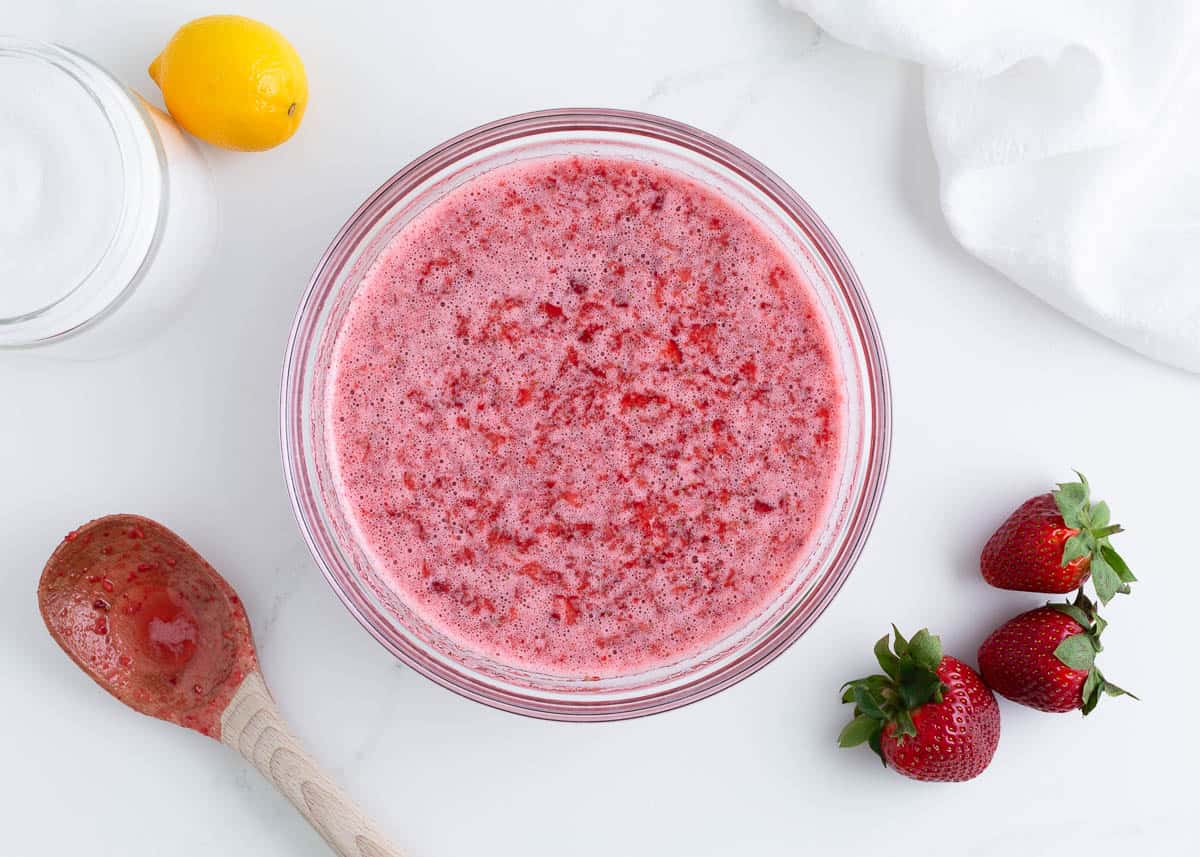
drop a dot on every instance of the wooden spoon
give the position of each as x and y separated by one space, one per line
154 624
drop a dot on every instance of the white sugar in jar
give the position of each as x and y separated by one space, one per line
107 211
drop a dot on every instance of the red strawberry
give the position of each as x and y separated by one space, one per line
1046 658
1053 542
930 717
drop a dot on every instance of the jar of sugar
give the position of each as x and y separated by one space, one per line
107 211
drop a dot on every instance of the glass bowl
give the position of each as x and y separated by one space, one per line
856 345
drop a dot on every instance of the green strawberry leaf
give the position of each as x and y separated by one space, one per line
889 662
875 743
1073 492
1100 515
905 726
1077 652
901 646
1070 499
1118 565
868 703
925 650
1093 687
878 685
917 685
858 731
1105 579
1112 690
1075 547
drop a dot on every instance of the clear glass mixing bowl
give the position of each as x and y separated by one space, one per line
856 344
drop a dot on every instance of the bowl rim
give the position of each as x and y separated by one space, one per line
876 389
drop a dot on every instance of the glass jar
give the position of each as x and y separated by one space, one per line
108 209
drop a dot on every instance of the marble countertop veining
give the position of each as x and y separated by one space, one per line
184 429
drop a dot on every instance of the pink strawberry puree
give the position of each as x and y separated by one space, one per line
585 416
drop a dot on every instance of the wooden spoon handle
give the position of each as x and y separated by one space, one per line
252 725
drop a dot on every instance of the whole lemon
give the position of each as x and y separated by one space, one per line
232 81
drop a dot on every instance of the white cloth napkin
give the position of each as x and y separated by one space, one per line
1067 136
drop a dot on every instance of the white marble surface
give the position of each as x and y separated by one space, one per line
995 397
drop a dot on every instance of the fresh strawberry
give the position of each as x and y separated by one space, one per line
1046 658
1053 542
929 717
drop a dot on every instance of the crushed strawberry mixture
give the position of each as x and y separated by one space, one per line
585 416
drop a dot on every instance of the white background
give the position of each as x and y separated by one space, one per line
996 397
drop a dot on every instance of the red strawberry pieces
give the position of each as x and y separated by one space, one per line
930 717
1045 658
1053 542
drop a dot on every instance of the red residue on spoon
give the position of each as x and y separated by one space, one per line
145 616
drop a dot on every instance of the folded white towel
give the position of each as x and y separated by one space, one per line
1067 136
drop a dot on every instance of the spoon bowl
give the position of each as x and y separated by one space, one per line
149 620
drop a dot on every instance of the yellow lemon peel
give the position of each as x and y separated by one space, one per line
232 81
